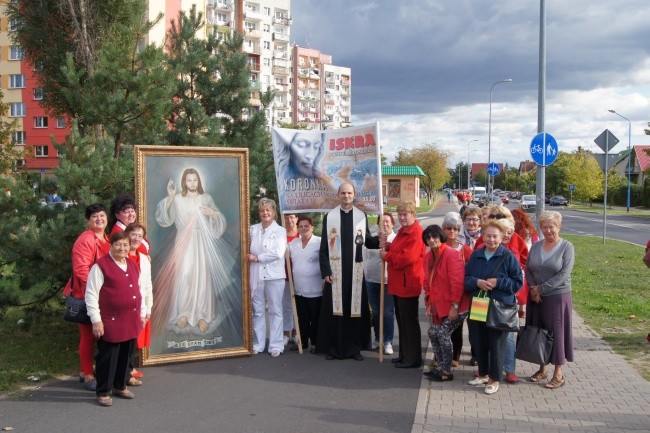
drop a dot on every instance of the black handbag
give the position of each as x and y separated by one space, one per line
535 344
75 310
502 316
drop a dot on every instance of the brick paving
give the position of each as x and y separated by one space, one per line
603 393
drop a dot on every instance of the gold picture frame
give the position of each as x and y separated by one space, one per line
194 203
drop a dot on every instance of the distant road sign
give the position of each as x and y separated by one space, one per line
493 169
606 140
572 187
543 149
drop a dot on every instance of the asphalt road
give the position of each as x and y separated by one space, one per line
289 394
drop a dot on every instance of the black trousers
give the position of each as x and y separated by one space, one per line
457 341
490 347
112 365
308 310
408 326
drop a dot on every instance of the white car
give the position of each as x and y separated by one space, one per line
528 203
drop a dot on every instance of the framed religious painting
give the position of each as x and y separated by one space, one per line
194 203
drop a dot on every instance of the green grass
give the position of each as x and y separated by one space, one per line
43 346
618 210
610 292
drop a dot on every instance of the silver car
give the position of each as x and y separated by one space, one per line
528 203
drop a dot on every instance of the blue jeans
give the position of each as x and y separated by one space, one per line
389 311
509 363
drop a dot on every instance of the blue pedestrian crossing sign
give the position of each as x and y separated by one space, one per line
543 149
493 169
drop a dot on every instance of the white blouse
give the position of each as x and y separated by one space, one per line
305 266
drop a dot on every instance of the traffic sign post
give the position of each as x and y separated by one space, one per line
572 187
606 141
544 149
493 169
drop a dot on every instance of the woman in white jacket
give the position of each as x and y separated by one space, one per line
267 275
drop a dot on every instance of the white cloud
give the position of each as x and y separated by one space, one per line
423 69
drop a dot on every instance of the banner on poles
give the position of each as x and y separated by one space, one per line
310 165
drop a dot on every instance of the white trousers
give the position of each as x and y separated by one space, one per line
271 294
287 310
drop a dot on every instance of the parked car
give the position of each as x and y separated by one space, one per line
505 199
479 199
558 200
491 200
528 203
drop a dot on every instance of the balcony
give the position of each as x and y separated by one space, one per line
255 85
281 63
279 54
254 66
278 70
252 50
219 5
253 16
254 34
280 37
282 21
329 79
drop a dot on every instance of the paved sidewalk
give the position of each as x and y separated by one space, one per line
603 393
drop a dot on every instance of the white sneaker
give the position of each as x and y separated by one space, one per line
478 381
388 349
374 345
285 339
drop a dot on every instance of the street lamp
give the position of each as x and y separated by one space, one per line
629 154
468 175
489 189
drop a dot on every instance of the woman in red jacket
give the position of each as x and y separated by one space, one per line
404 258
447 301
89 247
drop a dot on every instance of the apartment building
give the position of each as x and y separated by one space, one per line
307 87
321 96
34 128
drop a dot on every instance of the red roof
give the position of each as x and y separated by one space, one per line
642 156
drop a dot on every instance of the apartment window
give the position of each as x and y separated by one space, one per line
249 26
279 14
60 122
18 137
41 151
267 28
267 45
16 52
221 18
40 122
16 81
267 62
267 11
17 109
38 94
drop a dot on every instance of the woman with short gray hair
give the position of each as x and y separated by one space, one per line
548 272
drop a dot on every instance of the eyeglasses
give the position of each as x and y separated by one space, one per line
498 216
473 219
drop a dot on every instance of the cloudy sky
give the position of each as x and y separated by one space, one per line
423 69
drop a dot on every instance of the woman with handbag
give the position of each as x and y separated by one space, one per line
548 273
447 302
494 270
89 247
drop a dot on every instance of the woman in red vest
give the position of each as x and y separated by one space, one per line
117 313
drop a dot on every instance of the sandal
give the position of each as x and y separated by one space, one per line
539 376
555 383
